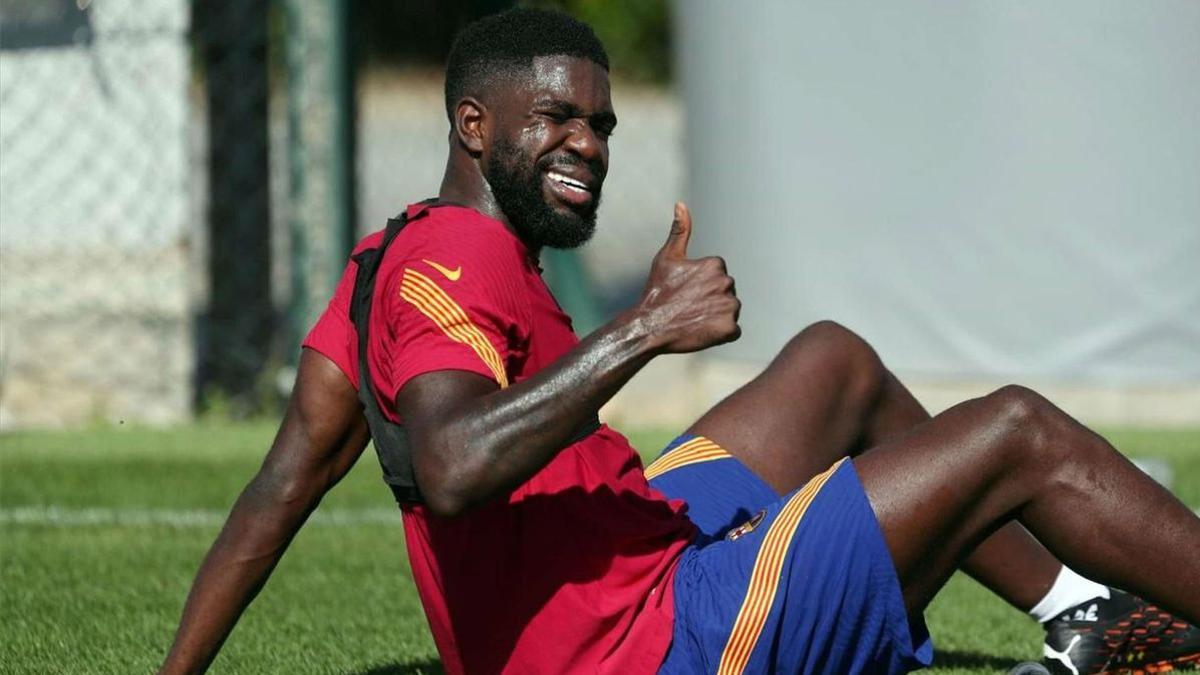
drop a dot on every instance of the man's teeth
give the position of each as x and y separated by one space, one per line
567 181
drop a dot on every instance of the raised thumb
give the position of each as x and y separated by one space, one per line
681 232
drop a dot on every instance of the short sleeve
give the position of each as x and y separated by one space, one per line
333 335
455 303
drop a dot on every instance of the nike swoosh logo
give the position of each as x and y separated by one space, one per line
451 274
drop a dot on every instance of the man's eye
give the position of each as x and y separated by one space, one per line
558 117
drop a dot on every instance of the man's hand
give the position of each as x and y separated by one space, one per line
688 305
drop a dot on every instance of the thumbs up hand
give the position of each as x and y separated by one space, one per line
688 305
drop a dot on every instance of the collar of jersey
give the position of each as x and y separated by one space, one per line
422 208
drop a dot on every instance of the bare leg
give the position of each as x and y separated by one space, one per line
839 400
943 488
1010 562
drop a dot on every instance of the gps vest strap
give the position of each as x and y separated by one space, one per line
390 439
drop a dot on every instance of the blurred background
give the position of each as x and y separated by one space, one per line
988 192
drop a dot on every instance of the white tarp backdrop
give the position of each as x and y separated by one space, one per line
984 190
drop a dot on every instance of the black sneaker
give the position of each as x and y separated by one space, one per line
1123 634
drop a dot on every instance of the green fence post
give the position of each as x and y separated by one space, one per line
321 149
568 278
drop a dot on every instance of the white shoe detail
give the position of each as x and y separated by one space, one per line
1088 615
1052 653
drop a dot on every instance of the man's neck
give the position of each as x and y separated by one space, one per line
466 186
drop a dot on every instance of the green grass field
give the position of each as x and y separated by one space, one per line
102 530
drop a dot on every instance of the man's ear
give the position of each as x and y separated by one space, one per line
470 124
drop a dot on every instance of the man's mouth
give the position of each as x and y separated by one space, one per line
573 191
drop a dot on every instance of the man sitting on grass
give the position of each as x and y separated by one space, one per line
801 525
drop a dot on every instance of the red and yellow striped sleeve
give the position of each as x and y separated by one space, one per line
455 298
452 320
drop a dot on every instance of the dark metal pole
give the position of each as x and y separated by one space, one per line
235 333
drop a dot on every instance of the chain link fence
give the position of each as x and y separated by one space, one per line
95 294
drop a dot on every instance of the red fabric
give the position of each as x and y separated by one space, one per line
573 571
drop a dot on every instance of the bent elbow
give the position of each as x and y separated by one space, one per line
442 489
285 490
443 505
444 496
455 469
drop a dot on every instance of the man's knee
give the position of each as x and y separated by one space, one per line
1028 423
840 352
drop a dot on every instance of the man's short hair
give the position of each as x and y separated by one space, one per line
501 43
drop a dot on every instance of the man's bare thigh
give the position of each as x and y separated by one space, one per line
808 409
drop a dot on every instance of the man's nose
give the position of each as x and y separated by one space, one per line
583 140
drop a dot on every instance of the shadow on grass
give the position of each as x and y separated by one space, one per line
955 659
423 667
942 659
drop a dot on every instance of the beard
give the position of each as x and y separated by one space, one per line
517 183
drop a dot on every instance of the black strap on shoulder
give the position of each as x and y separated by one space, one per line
391 440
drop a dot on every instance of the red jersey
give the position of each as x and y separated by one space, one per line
571 572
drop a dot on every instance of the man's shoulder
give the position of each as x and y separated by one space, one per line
370 241
451 240
458 258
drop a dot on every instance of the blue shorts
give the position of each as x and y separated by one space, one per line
802 584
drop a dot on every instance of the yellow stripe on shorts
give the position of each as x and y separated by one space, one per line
698 449
433 302
764 579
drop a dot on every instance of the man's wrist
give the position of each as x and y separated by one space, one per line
634 330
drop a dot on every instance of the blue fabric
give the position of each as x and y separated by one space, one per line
720 494
838 606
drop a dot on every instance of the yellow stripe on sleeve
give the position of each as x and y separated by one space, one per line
434 303
453 321
764 579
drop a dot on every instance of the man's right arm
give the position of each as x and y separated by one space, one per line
322 434
473 441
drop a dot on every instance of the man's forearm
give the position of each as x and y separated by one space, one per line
493 443
322 434
258 530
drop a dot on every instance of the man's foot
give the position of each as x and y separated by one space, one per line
1123 634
